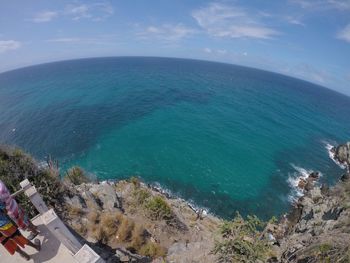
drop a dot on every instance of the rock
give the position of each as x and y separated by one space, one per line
177 248
332 214
75 201
324 189
345 177
106 193
342 154
302 183
309 185
314 176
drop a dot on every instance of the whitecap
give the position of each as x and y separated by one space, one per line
331 154
293 181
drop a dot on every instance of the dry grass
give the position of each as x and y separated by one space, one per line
74 211
125 230
80 228
138 237
93 217
92 205
104 226
113 227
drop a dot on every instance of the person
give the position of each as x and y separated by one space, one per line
12 239
15 212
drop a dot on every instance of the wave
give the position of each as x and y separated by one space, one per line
331 154
294 179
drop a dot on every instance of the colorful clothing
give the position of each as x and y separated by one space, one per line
11 238
14 211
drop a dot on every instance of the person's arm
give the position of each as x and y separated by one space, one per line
10 203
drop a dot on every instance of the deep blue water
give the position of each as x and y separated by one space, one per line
224 136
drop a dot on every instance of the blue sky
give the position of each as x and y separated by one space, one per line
308 39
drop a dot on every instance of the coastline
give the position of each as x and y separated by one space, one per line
119 219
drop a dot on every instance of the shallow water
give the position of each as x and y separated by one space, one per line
226 137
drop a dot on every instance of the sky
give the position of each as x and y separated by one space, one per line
307 39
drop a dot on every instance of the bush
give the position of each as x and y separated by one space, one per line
16 166
76 176
141 195
152 250
158 208
241 241
135 181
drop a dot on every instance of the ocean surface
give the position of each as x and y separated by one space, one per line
221 136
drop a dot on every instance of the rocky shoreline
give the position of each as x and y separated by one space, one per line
129 221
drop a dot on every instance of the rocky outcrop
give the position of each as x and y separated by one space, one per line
317 228
115 216
342 154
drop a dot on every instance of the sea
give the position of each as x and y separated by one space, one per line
223 137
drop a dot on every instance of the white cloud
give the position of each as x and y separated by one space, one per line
341 5
45 16
6 45
216 52
294 20
64 40
308 72
222 20
344 34
166 32
95 11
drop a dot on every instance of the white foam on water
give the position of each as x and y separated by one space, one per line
293 180
331 154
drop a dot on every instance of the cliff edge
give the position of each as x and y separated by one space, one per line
130 221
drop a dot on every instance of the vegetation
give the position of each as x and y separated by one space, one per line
135 181
158 208
76 176
16 166
241 241
153 250
141 195
111 228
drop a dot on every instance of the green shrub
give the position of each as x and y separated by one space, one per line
135 181
16 166
158 208
152 250
76 176
141 196
241 241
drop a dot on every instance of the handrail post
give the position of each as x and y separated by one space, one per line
82 254
62 233
34 196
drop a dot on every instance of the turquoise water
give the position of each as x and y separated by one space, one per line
225 137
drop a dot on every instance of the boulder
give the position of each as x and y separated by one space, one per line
106 193
345 177
342 154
